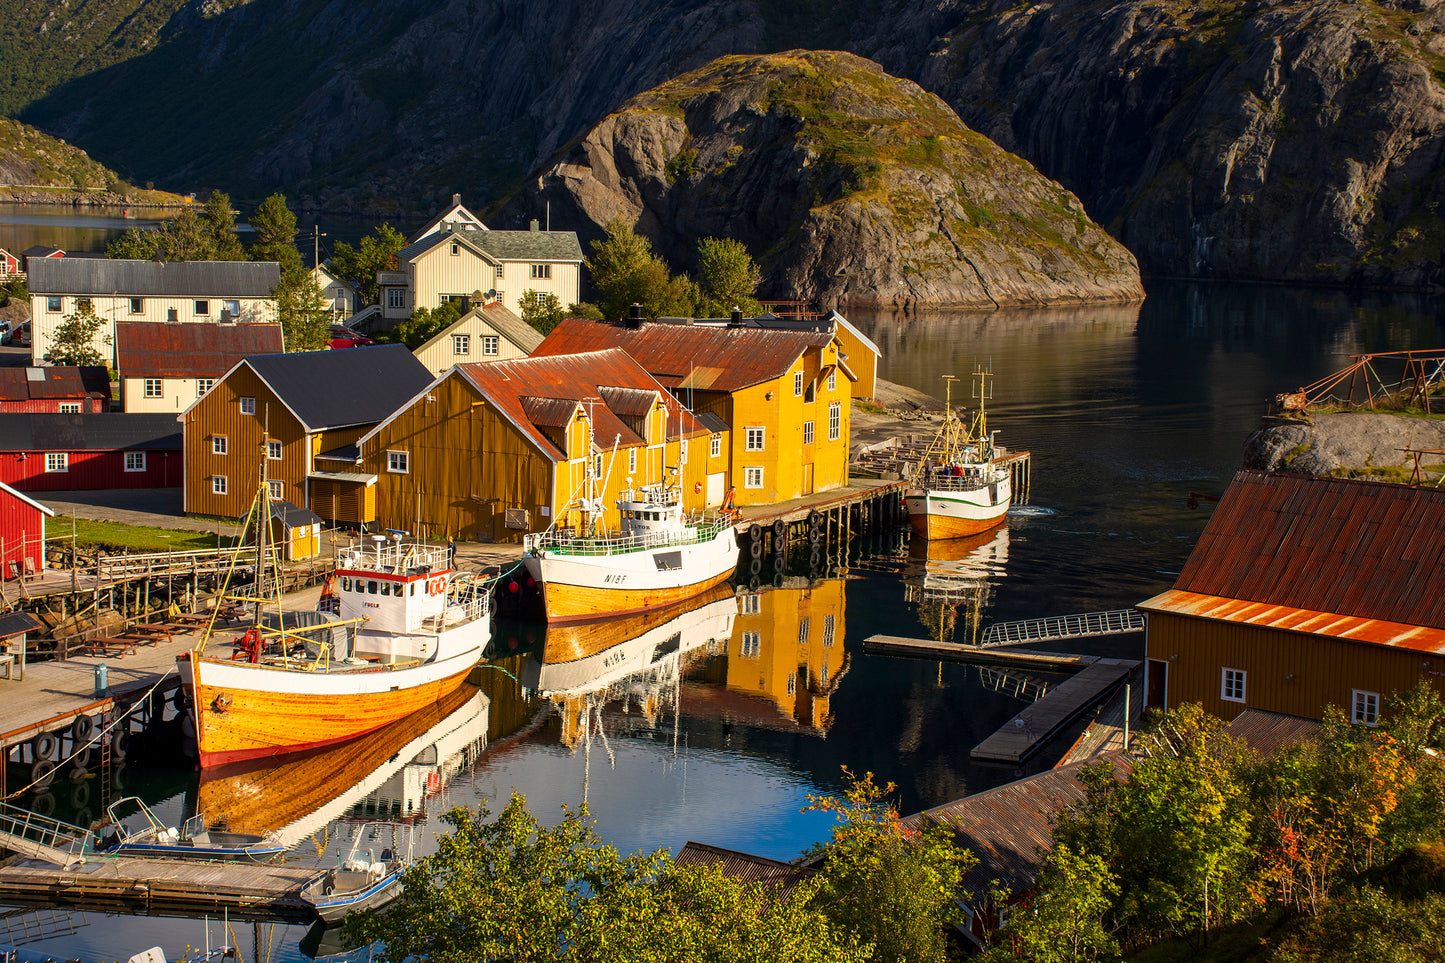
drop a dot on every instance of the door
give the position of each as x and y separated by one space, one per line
808 479
715 489
1157 685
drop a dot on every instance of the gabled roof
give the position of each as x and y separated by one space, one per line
530 245
55 383
98 277
500 319
467 239
1267 732
694 356
293 517
456 214
44 431
1321 547
337 389
147 349
743 867
38 251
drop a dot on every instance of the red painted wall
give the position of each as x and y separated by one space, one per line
90 470
22 531
51 405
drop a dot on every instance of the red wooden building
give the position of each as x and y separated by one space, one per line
22 532
9 263
62 389
45 452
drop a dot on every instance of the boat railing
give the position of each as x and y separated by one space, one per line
938 481
394 557
467 600
651 496
567 542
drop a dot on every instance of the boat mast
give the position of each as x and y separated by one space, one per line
983 391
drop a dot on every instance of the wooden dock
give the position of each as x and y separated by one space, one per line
972 655
246 890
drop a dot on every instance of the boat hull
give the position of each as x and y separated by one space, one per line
938 514
245 711
577 587
261 853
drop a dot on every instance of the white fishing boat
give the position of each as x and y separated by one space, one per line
408 632
959 488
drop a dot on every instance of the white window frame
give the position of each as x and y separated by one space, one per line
395 297
70 408
797 384
203 307
750 604
137 305
541 272
755 438
398 462
218 484
631 460
714 447
491 344
807 432
232 306
57 461
753 476
54 305
154 388
750 646
248 406
276 489
1232 685
456 249
218 444
833 378
204 385
1364 707
135 461
274 450
461 344
835 420
499 270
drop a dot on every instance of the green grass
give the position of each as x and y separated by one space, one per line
115 537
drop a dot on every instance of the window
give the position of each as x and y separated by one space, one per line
1231 686
232 309
807 432
218 484
835 421
751 645
828 629
203 308
203 385
154 387
456 249
398 461
631 460
597 465
805 628
491 344
461 344
70 407
53 305
84 306
273 450
248 406
755 439
218 444
753 476
714 445
833 378
1366 711
135 461
542 271
57 461
137 305
395 298
750 604
797 384
274 490
499 270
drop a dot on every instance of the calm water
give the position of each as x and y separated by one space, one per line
692 730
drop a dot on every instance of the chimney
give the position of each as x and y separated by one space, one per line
737 318
456 200
634 313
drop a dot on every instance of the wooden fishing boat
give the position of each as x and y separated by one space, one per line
959 489
409 630
359 883
142 833
571 641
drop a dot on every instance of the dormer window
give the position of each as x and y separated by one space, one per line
456 249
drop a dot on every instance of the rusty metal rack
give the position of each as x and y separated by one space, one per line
1360 384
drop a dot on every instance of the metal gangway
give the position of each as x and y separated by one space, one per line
1013 683
41 837
1115 622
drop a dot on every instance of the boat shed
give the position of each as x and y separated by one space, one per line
59 389
22 533
166 367
52 452
1301 593
295 531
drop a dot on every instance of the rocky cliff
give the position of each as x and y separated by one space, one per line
848 185
1362 445
36 167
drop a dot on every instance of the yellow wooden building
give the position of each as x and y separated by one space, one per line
493 451
1302 593
784 395
292 412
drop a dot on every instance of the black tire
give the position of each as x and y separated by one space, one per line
815 520
179 702
46 746
80 798
756 550
42 773
118 778
81 728
78 774
81 759
778 580
815 558
43 804
754 584
755 567
780 531
119 743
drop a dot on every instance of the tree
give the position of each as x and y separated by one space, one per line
885 887
134 245
423 325
275 228
220 226
541 311
1064 921
728 277
626 272
184 238
376 252
304 313
74 340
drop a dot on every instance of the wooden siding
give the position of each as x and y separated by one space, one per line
22 534
52 405
176 395
219 413
1289 672
90 471
155 309
517 280
345 503
438 355
439 272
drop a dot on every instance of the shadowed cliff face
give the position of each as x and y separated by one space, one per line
848 185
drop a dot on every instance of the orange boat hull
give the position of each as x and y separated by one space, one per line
571 603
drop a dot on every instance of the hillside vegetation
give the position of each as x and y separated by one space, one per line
34 166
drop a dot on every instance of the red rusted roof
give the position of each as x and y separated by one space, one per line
56 383
690 355
1325 546
743 867
151 349
546 386
1267 732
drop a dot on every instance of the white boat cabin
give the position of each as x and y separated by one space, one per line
401 589
651 514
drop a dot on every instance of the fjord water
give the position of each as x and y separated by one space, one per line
1126 411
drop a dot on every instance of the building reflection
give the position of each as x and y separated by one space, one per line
951 582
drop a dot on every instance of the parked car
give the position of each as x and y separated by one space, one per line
21 335
4 332
343 337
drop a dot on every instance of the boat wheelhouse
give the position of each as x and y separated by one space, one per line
960 489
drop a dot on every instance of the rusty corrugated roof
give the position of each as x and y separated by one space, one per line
743 867
1010 828
629 401
690 355
55 383
1325 546
149 349
549 412
1267 732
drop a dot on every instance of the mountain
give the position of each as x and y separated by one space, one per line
850 186
35 166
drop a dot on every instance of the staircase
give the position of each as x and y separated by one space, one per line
1116 622
42 837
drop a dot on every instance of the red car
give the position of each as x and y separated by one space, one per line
344 337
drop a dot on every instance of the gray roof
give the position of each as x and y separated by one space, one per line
347 386
293 517
43 431
503 245
201 279
510 326
711 422
14 623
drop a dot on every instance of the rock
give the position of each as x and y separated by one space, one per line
14 310
849 187
1355 444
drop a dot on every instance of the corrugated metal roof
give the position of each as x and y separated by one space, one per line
1325 545
688 355
743 867
1267 732
56 383
712 422
355 477
549 412
629 401
347 453
148 349
293 517
200 279
1010 828
43 431
14 623
352 386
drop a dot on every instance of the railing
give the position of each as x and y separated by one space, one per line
49 837
1116 622
939 482
651 496
394 557
567 543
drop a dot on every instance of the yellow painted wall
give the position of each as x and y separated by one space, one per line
862 361
219 413
439 354
799 657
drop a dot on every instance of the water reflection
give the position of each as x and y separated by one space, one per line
71 229
953 580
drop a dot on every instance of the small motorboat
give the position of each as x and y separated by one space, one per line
358 883
141 833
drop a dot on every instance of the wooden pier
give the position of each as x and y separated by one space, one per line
825 528
1094 680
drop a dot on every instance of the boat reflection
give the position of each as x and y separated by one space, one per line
954 579
388 773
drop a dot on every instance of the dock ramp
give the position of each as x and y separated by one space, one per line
1057 627
41 837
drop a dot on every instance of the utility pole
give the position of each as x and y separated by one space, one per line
316 236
